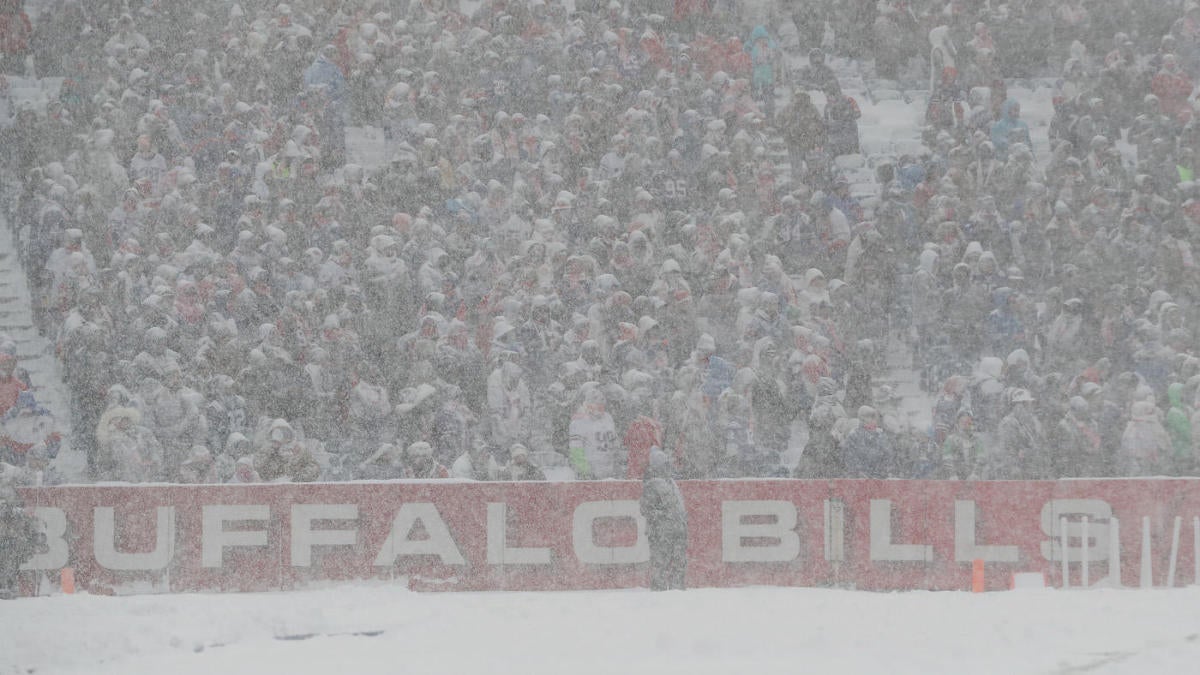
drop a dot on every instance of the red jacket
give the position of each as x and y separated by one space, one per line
1172 90
10 388
686 8
15 31
644 433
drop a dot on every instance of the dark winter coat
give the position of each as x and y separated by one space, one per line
1023 453
662 505
869 453
666 525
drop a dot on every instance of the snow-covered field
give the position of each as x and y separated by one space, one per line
366 629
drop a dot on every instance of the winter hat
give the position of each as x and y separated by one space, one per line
658 459
1079 404
646 323
1144 411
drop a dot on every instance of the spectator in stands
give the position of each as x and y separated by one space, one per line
281 457
841 120
26 427
10 386
803 130
419 462
1075 442
1179 426
1009 129
1146 448
126 450
385 464
520 466
764 57
199 467
963 453
16 37
477 463
817 74
594 450
869 452
239 253
244 472
1022 451
822 455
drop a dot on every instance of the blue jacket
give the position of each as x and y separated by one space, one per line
1007 128
763 73
326 73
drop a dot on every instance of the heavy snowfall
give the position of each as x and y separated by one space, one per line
331 241
444 242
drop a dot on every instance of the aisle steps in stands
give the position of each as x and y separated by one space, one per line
35 353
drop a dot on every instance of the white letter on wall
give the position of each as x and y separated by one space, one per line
882 548
214 538
586 549
104 541
439 543
1074 510
835 530
965 548
498 550
783 529
304 538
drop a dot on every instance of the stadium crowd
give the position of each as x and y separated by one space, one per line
604 231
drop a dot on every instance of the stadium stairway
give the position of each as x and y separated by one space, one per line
34 352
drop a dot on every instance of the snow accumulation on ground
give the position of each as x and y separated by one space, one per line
370 628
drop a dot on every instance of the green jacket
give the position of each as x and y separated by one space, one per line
961 455
1179 427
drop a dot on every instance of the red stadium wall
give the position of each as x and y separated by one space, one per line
877 535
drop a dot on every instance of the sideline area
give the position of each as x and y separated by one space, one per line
386 629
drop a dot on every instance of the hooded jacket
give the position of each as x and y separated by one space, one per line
761 49
1179 426
662 503
1145 444
1004 129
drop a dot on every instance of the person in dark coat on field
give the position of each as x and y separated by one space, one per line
666 525
18 532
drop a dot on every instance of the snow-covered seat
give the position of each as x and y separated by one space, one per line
874 144
880 159
850 162
553 464
909 146
860 176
